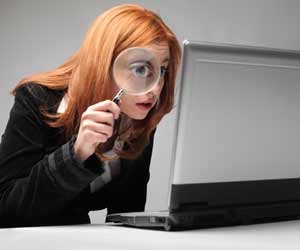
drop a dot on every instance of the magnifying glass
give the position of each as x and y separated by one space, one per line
135 71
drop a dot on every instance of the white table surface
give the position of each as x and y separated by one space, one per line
279 235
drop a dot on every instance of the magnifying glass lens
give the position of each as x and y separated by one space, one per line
136 70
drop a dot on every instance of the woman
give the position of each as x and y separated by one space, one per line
67 149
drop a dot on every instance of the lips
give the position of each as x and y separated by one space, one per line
144 105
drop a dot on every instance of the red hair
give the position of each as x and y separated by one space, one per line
87 78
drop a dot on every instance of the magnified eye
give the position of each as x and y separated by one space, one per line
141 69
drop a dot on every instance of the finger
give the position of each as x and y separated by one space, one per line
103 128
99 116
107 106
97 137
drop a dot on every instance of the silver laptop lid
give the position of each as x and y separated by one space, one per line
238 114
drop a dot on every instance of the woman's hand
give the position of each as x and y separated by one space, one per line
96 126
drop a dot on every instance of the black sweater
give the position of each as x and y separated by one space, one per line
42 183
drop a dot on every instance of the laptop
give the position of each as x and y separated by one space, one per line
236 152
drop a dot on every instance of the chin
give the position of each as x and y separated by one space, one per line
136 115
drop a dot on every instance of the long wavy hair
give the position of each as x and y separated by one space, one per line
86 76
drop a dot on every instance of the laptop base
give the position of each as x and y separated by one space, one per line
212 217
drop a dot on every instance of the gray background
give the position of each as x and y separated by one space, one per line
39 35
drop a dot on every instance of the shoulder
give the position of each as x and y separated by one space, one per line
39 96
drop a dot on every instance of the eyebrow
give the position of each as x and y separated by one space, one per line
167 59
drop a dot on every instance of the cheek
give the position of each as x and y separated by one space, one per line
160 86
127 102
128 107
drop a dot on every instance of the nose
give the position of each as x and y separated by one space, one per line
154 93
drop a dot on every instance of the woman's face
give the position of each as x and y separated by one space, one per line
138 106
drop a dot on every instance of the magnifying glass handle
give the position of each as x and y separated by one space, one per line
118 96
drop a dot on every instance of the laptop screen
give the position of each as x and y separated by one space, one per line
238 115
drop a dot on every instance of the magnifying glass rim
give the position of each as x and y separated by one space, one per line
146 89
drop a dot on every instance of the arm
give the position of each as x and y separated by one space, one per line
129 193
35 185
